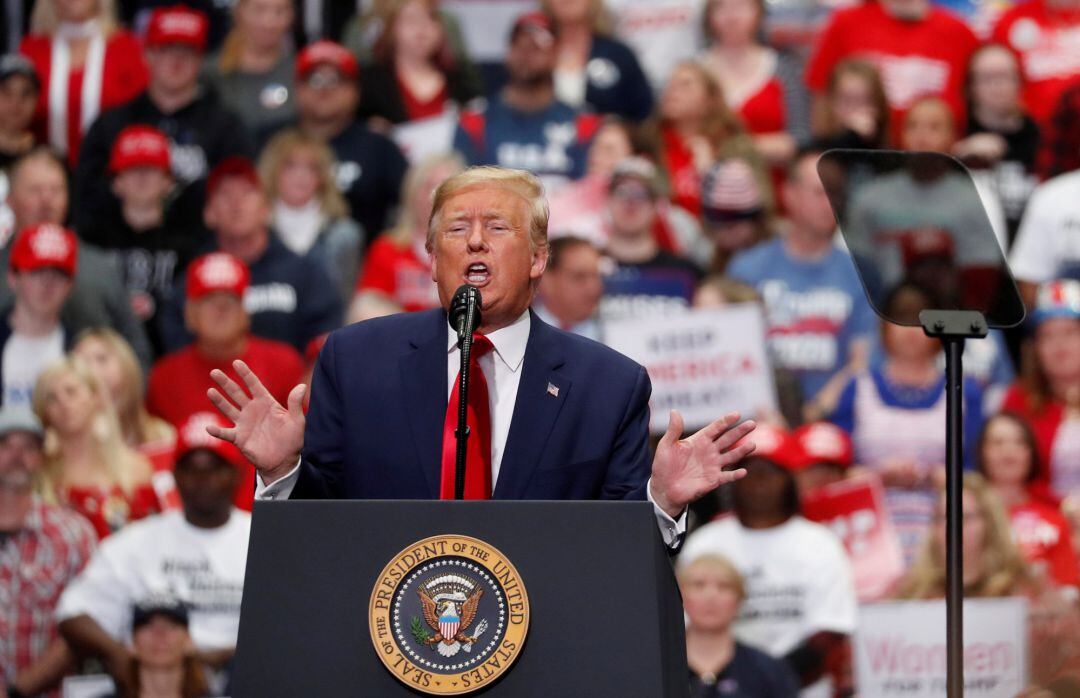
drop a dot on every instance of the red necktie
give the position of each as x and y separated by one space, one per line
478 453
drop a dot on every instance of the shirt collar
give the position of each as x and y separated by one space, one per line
509 342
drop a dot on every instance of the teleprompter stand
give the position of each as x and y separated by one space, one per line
917 219
952 327
606 618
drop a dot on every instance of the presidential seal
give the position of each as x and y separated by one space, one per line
448 615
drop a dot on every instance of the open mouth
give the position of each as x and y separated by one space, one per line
477 274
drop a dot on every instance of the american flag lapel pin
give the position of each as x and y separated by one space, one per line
553 390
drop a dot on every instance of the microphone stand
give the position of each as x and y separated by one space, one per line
465 340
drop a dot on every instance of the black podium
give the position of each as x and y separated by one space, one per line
605 617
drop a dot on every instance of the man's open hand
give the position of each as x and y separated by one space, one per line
686 469
269 435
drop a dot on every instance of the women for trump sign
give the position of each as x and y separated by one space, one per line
899 648
704 362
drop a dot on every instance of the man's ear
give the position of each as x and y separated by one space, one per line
539 261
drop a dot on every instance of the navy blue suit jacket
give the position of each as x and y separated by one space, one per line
378 402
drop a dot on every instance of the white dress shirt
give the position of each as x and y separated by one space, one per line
502 371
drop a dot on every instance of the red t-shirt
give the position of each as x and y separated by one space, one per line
399 273
1048 43
1044 537
124 76
176 388
915 59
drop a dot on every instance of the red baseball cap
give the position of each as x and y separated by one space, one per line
214 272
192 435
139 146
537 23
232 166
325 52
823 442
776 445
45 246
177 25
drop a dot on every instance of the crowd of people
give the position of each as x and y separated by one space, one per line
184 186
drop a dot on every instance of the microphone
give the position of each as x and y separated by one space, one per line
465 310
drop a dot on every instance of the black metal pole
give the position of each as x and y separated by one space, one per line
954 514
462 432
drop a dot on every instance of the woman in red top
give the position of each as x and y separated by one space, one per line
1007 457
397 270
414 75
746 71
696 128
111 358
1048 392
88 466
87 64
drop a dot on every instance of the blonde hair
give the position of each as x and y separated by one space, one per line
1004 570
718 562
123 465
232 48
411 187
721 126
281 147
46 20
137 426
522 183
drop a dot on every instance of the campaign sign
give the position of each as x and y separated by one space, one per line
899 648
704 363
855 511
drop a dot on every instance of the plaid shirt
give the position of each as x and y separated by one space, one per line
36 563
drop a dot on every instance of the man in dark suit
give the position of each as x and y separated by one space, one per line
564 418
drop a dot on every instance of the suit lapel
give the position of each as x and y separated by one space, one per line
540 397
423 377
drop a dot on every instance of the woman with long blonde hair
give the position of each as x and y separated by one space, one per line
253 72
310 216
695 128
86 64
109 355
993 564
88 466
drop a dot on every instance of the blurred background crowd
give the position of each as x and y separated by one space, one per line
186 185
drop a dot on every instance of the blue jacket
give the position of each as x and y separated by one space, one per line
615 82
378 402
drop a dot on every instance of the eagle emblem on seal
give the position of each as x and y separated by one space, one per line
449 603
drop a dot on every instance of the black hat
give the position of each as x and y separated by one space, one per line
159 606
18 64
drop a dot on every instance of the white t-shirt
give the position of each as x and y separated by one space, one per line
798 581
660 32
23 361
1047 245
164 555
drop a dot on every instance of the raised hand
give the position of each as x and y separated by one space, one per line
686 469
269 435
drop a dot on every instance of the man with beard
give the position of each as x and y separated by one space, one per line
524 126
